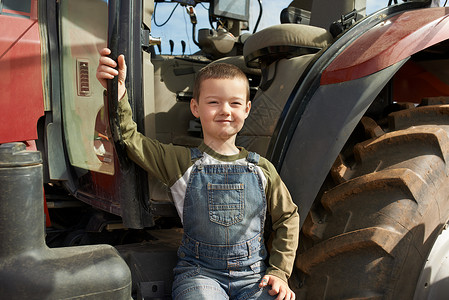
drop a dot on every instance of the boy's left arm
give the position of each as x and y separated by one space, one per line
285 224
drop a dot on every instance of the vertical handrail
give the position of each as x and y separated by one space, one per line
112 84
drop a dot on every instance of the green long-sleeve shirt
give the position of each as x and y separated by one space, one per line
172 165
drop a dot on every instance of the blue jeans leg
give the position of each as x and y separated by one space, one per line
245 284
195 283
262 294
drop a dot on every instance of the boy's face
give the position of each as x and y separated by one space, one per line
221 107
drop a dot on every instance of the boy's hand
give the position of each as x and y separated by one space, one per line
106 70
278 287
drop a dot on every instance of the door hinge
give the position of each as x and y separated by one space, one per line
146 40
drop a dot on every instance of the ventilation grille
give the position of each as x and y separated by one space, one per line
82 77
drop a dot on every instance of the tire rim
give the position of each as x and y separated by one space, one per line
434 278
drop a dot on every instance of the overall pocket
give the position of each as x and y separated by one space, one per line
226 203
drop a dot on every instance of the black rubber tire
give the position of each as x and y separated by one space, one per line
370 235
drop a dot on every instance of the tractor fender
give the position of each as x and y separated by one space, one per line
339 86
326 124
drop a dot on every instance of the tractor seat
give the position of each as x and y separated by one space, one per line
284 41
239 62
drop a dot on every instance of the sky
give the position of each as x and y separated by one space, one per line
178 27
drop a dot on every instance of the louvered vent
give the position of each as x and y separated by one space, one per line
82 77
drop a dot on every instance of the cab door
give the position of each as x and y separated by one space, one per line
103 176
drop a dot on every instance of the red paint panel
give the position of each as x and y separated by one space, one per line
21 80
388 43
412 83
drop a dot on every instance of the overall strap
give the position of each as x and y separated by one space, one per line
195 154
253 157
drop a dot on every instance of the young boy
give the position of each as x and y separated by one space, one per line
222 193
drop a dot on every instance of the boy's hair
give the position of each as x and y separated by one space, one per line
218 71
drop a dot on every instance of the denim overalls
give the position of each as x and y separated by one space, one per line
222 249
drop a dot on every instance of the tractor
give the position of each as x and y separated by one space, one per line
352 110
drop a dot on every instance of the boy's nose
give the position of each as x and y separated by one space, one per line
225 109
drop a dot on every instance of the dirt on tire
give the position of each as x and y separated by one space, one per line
370 235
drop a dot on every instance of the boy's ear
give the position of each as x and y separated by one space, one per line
194 107
248 108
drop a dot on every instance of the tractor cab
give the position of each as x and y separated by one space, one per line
350 108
